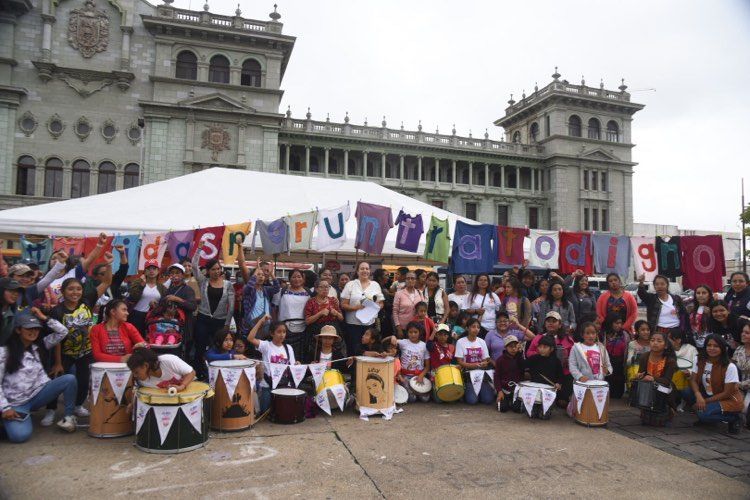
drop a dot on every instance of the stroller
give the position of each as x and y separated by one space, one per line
165 325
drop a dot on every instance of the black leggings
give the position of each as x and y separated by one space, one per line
81 372
205 332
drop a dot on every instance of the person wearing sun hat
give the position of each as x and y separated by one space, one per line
328 347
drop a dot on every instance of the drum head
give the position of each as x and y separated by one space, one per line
423 388
288 391
593 383
684 364
233 363
370 359
110 366
401 396
536 385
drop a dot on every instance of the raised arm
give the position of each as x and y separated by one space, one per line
196 263
241 259
53 273
254 331
107 278
94 254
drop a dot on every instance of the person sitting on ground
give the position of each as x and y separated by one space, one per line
637 347
440 349
508 368
24 384
658 365
223 348
553 328
328 349
472 354
544 367
415 360
114 339
160 371
686 351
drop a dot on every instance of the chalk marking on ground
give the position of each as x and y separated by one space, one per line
137 470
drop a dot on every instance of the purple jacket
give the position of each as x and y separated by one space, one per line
249 296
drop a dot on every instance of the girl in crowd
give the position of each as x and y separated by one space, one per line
741 358
223 348
273 351
215 307
453 312
516 306
589 359
404 304
114 339
545 367
725 324
256 298
699 316
541 296
664 311
459 329
557 301
24 384
145 292
686 351
344 278
163 371
25 277
182 295
658 365
322 310
421 280
441 350
328 349
738 297
564 342
10 291
617 301
472 354
715 384
483 304
636 347
240 346
371 344
436 298
529 289
420 314
583 300
291 304
415 359
508 368
354 293
460 293
616 340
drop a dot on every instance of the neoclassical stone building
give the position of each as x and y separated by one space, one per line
97 95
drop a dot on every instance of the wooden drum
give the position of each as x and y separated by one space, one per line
110 391
232 382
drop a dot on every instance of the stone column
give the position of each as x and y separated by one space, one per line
325 160
401 168
346 164
48 21
307 160
241 144
437 172
502 177
202 71
518 178
419 170
533 179
125 52
486 176
189 138
382 166
471 174
364 164
453 173
67 180
119 178
94 180
287 157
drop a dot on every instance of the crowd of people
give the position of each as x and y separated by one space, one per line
166 324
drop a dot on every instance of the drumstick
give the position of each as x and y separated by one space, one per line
548 380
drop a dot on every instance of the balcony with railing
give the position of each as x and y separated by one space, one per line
211 20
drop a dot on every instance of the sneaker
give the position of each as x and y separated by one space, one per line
48 419
80 411
734 427
171 340
159 340
68 423
681 407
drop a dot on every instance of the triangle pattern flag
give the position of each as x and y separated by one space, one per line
229 241
548 397
298 373
580 393
96 384
211 238
194 413
277 371
250 374
528 396
545 248
119 382
321 399
600 398
231 377
212 374
339 392
141 410
477 377
179 244
491 375
153 246
317 370
165 416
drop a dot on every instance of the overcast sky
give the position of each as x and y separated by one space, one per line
448 62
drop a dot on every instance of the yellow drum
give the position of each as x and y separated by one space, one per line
679 379
449 386
331 378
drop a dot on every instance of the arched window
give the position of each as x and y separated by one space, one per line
613 131
534 132
132 176
107 176
25 176
218 69
594 129
574 126
250 73
517 137
187 66
79 185
53 178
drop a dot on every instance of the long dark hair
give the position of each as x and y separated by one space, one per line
723 356
2 299
66 284
695 299
577 287
142 356
551 300
15 346
111 306
219 337
668 348
475 286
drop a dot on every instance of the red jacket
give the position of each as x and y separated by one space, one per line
99 338
630 304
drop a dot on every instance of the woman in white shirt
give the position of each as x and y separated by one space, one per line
460 293
483 304
352 296
290 310
165 371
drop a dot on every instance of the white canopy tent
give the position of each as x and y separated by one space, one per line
220 196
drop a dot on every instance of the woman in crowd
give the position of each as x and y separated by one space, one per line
354 293
327 276
290 309
421 280
715 384
700 314
640 344
24 384
460 293
114 339
215 307
658 365
382 278
191 273
26 277
617 301
256 299
530 289
321 310
145 292
516 306
436 298
404 304
483 304
495 338
10 291
725 324
664 311
738 297
472 354
583 300
541 296
616 339
741 358
344 278
557 301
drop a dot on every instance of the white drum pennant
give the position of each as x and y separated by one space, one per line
580 392
250 374
194 413
141 411
491 375
339 392
477 377
298 373
321 399
317 370
118 381
277 371
548 397
96 384
600 398
165 416
528 396
212 374
231 377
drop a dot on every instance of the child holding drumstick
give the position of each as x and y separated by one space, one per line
508 368
415 360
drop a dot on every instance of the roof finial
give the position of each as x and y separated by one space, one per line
308 115
536 87
486 134
365 121
623 87
419 127
454 129
469 133
583 80
346 117
205 6
328 117
402 125
275 16
511 101
238 12
523 95
288 111
601 83
437 130
556 75
383 123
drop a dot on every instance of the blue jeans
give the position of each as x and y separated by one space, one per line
486 394
20 431
712 413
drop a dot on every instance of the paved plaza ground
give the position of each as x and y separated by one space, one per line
427 451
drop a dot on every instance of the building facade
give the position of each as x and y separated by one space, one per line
98 95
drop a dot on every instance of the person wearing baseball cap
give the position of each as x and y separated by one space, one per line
144 292
24 383
564 342
10 291
178 292
508 368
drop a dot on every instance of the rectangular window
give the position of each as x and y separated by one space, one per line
604 182
471 211
586 225
605 219
438 204
511 184
594 180
547 126
502 215
595 219
25 181
533 217
585 179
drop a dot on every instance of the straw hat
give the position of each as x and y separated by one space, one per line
328 331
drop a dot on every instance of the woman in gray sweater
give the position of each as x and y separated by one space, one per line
557 301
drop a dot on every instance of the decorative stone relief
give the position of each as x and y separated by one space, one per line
55 126
109 130
27 123
215 138
82 128
134 133
88 30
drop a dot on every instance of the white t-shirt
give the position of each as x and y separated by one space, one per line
490 303
173 369
354 292
688 352
461 300
593 356
325 358
292 306
413 355
275 354
732 376
668 314
150 294
472 352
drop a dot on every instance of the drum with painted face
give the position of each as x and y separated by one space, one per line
449 385
172 423
232 381
375 382
110 392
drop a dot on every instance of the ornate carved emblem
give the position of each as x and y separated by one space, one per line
216 138
88 30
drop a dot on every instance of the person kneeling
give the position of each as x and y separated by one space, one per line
472 354
658 366
508 369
